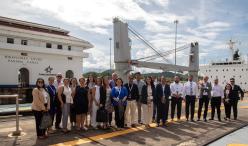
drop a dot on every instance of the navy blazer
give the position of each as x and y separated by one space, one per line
134 92
145 95
159 92
234 93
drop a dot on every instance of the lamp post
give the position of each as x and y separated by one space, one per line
110 39
176 22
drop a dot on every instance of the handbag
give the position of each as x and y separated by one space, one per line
46 121
102 115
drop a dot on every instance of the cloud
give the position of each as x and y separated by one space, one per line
207 22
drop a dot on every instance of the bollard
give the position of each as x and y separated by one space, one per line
17 132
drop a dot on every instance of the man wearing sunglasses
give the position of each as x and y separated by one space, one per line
234 97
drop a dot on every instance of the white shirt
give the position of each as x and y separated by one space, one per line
67 92
149 92
217 91
176 88
46 96
205 86
190 88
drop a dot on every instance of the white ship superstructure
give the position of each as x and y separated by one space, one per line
236 68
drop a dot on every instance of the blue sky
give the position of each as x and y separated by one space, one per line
210 22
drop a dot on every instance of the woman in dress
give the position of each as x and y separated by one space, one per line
73 85
81 102
119 96
90 84
65 98
226 101
40 104
108 104
96 102
148 95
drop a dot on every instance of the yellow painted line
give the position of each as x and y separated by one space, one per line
237 145
118 133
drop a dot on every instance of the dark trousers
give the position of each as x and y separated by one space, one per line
176 102
204 100
58 116
227 109
154 111
162 111
110 118
190 103
233 103
72 114
38 116
215 104
119 119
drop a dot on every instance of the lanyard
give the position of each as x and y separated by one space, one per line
53 90
119 92
130 89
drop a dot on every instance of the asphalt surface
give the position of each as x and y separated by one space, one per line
181 133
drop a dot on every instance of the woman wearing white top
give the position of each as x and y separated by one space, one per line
90 84
148 96
65 98
96 102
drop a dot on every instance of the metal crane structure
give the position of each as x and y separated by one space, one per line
122 53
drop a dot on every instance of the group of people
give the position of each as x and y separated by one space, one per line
145 100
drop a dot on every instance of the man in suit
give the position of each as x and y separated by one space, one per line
234 97
140 83
162 98
205 95
133 96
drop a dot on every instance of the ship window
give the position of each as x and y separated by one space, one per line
10 40
48 45
233 69
224 76
226 69
242 69
60 47
240 76
223 69
216 70
241 83
247 69
69 48
245 82
209 70
211 76
24 54
69 58
24 42
233 76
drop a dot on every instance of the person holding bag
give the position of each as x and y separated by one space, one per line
40 104
119 95
65 98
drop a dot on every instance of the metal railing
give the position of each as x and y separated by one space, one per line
17 132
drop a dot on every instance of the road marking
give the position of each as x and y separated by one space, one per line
237 145
118 133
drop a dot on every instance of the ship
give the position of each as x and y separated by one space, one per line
236 67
